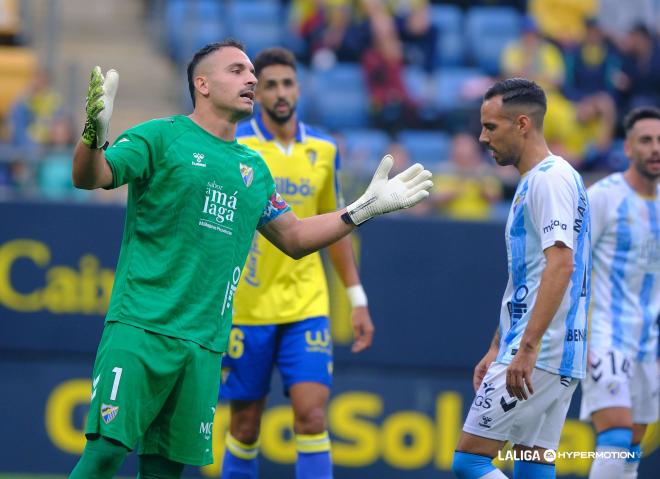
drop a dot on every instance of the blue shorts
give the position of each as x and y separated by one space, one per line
302 351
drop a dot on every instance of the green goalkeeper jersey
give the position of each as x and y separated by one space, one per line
194 203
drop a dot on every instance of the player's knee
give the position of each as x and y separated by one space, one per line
246 432
311 422
616 437
153 466
638 433
471 466
103 455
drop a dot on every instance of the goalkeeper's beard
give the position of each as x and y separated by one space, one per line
281 119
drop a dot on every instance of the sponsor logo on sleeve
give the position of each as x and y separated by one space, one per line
277 202
554 224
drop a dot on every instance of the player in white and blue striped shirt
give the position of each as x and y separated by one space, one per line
525 382
620 393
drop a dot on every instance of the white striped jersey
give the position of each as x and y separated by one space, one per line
550 205
626 275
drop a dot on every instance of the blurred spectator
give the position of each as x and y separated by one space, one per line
401 157
591 66
10 22
392 108
533 57
332 30
467 186
32 115
563 20
520 5
402 161
417 32
638 83
617 18
582 133
54 170
4 131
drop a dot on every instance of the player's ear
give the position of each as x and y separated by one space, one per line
524 123
201 85
627 147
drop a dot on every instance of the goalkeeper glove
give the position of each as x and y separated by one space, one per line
385 195
100 96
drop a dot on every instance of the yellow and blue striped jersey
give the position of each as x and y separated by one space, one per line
275 288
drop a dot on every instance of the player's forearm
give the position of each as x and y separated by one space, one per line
90 170
554 281
311 234
341 255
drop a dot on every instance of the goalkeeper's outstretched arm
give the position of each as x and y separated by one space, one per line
90 170
299 237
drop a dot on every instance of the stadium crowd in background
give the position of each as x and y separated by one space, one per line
412 65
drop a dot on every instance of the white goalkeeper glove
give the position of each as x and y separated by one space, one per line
100 96
385 195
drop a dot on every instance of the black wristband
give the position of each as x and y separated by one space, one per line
105 145
346 218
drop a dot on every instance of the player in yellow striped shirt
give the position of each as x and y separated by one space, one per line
281 305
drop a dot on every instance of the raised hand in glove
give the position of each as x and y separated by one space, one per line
385 195
100 97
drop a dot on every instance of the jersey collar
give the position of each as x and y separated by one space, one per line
264 135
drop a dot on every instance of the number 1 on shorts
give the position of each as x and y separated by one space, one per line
115 385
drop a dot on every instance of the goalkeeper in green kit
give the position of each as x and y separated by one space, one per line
196 197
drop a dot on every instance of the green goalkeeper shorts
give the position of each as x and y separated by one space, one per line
157 391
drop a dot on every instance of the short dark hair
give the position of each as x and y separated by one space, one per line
521 92
273 56
637 114
202 53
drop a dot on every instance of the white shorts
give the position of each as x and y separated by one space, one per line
614 380
536 421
